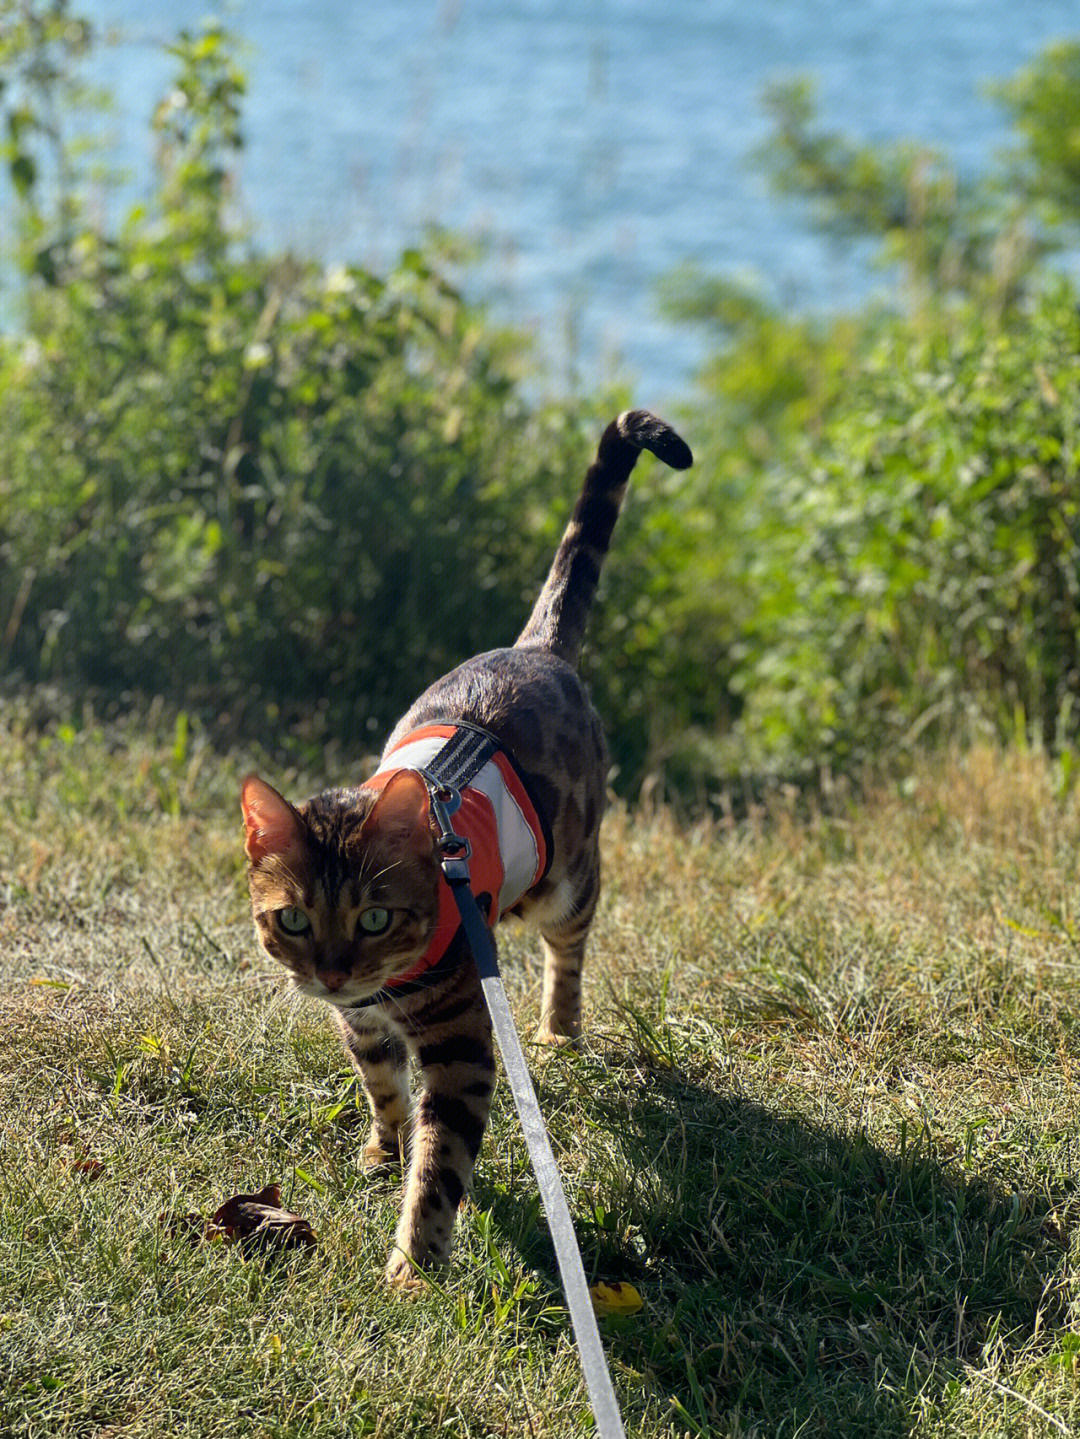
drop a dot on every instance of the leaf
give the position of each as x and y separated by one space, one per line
259 1220
254 1221
88 1167
615 1298
23 174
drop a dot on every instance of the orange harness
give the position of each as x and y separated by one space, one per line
509 845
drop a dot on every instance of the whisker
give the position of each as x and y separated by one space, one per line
392 1002
386 869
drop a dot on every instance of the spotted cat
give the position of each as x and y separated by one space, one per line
347 893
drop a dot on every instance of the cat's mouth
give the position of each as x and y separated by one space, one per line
341 993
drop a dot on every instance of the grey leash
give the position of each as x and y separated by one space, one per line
455 864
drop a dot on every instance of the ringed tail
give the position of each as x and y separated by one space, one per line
558 619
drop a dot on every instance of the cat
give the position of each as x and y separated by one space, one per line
347 893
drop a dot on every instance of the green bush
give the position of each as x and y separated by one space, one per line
284 498
899 487
924 568
247 484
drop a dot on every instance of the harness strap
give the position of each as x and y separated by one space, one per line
457 763
463 756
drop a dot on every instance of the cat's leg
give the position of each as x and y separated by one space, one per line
380 1057
563 945
451 1039
560 1009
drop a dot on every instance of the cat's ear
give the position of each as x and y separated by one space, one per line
273 826
400 814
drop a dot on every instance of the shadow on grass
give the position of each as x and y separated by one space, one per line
798 1281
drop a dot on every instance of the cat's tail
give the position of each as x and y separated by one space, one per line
557 622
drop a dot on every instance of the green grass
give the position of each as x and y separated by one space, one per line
826 1122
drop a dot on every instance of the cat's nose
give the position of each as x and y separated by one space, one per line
332 978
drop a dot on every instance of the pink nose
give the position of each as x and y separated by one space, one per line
332 978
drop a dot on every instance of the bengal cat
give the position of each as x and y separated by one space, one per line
347 893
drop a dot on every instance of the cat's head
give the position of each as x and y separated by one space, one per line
344 888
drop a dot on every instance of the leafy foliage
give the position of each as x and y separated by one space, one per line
928 566
949 233
1043 102
253 459
41 94
279 496
906 543
285 498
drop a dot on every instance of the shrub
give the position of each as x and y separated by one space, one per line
905 535
247 484
924 567
281 497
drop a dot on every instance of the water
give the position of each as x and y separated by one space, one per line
594 144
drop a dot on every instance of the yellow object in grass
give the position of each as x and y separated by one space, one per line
615 1299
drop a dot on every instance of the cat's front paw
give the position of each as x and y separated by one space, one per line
402 1273
554 1039
378 1154
386 1147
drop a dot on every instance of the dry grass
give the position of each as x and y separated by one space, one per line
826 1122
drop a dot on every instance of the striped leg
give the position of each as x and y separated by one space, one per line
563 947
454 1050
560 1012
383 1064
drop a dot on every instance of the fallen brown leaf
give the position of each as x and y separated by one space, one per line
91 1168
254 1221
258 1219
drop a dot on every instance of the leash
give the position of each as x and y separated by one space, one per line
455 850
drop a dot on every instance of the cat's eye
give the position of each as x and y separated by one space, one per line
374 921
293 921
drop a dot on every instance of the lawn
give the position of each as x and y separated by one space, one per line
826 1122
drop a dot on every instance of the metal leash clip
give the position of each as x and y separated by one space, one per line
454 849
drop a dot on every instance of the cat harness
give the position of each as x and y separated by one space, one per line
508 844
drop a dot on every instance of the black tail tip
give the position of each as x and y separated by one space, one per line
646 431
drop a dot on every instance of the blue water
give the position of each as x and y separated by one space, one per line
594 144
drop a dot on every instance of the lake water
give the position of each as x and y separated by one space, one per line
594 144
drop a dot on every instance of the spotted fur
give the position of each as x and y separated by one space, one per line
342 861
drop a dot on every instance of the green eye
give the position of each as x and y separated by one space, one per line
293 921
374 921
